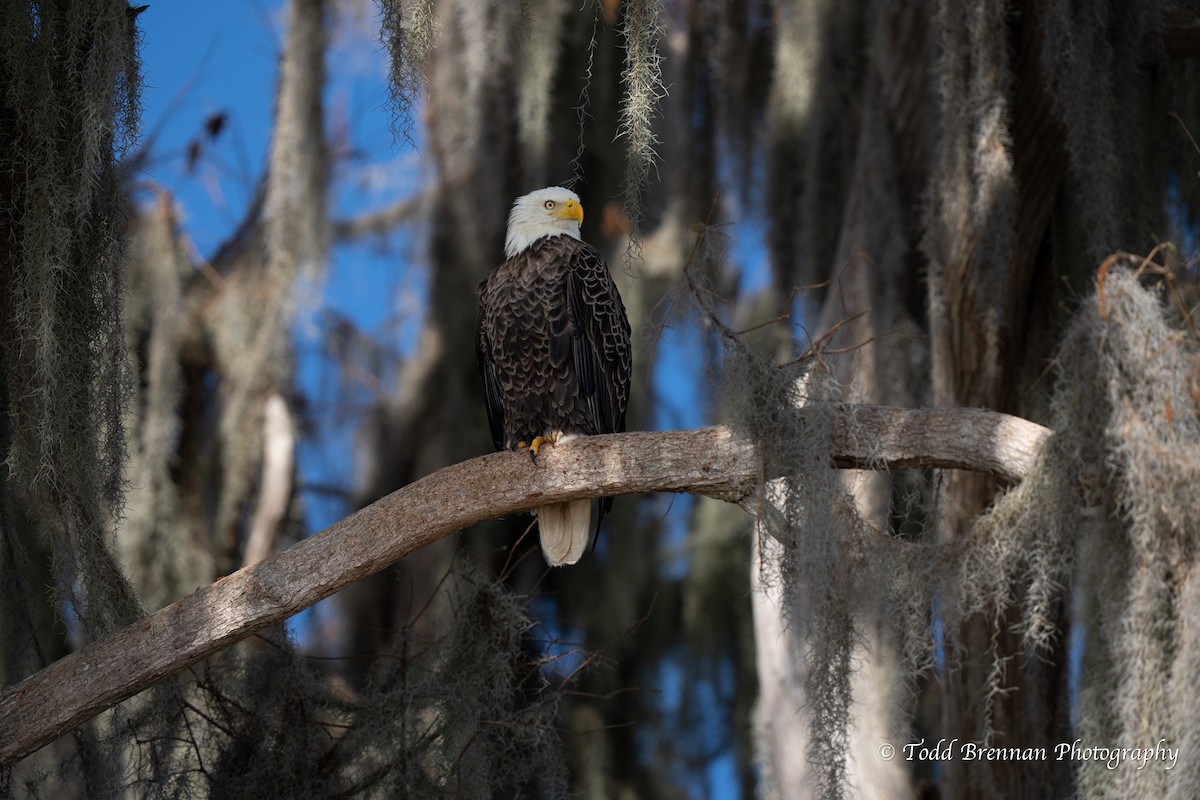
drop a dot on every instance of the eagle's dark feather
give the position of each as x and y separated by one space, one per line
553 344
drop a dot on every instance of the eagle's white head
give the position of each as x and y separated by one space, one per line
553 211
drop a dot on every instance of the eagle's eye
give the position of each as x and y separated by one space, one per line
549 204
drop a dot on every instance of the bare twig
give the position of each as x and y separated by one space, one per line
379 222
1183 125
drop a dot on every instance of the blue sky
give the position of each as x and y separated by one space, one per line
204 60
199 60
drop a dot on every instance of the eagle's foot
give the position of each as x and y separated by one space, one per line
536 445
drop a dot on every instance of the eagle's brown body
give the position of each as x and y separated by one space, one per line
553 343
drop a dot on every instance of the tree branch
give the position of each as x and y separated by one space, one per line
379 222
885 437
709 461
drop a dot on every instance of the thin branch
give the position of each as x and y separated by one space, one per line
711 461
379 222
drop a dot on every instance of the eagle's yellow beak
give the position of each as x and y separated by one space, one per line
571 210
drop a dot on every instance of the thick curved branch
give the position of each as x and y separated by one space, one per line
885 437
709 461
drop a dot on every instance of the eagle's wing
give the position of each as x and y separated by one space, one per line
600 339
492 395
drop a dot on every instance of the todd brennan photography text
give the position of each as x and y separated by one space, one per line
1158 753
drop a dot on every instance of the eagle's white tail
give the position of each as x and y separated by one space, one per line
566 530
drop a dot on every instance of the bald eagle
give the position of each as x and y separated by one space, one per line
554 351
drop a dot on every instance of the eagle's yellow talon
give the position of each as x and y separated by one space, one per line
536 445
